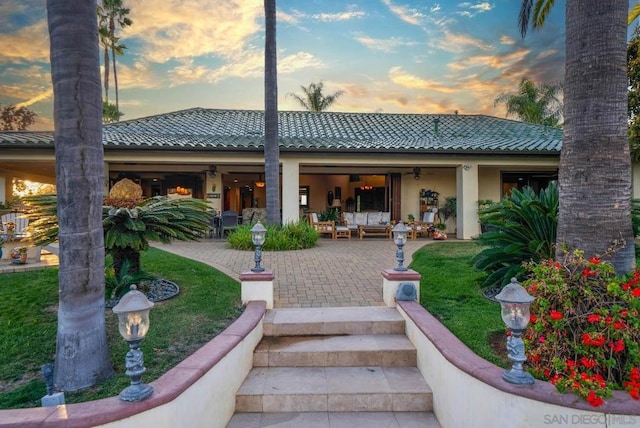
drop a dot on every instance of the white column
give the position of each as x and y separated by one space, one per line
467 201
3 193
290 191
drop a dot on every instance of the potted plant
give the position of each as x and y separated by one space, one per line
19 255
411 218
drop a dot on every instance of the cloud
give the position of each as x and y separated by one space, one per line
176 29
29 43
340 16
497 61
402 78
435 8
506 40
44 96
408 15
250 65
472 9
383 45
547 53
457 43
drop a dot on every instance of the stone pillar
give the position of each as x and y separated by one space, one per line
257 286
290 191
391 281
467 221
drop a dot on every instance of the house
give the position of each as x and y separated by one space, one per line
402 163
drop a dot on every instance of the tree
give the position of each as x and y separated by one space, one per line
110 113
271 143
112 14
313 99
534 103
16 119
595 163
82 354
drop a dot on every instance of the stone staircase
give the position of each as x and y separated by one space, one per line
334 367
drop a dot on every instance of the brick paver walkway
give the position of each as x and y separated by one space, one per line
334 273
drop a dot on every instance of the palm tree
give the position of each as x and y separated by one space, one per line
271 143
111 13
82 355
534 103
110 113
595 164
313 99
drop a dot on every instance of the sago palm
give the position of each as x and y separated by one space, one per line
522 229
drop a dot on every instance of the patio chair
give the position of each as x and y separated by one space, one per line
322 227
423 228
228 221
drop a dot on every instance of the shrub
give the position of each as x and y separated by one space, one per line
292 236
584 333
522 229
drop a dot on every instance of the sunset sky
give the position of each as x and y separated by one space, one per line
391 56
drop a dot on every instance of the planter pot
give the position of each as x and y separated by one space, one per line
19 258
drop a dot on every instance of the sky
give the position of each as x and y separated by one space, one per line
389 56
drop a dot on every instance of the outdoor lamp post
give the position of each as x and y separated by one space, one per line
515 303
258 233
133 324
400 232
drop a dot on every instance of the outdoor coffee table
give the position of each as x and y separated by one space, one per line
375 230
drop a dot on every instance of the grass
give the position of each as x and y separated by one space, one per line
450 291
208 302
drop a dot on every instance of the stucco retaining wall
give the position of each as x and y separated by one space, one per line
200 391
469 391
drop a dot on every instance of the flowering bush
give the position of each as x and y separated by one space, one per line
584 331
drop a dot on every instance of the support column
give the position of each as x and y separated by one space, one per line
257 286
290 191
3 190
467 221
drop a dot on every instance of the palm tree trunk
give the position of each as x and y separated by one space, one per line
595 165
106 74
82 355
271 144
115 79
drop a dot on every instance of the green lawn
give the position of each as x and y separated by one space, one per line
207 303
449 291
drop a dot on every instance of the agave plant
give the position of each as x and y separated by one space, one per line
522 229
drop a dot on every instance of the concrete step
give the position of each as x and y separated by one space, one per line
335 420
384 350
334 389
333 321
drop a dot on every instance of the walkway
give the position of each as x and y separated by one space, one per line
334 273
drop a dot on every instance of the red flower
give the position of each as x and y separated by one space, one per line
586 338
608 320
636 292
635 393
624 313
571 363
555 315
533 318
619 325
541 339
546 373
598 341
634 375
595 260
593 318
617 346
535 358
588 272
594 400
626 286
588 362
555 379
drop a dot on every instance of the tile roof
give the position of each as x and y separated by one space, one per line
200 128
